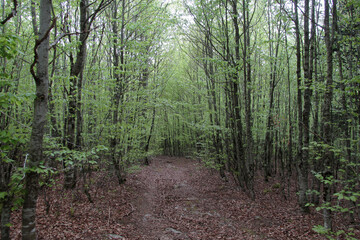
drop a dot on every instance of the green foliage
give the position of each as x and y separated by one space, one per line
349 235
75 157
133 169
346 194
163 73
8 46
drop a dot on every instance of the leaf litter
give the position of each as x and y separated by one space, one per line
171 199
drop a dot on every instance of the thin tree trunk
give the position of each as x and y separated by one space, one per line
242 173
79 118
247 94
76 70
303 162
290 127
268 147
212 102
53 121
326 112
302 196
313 68
118 63
5 217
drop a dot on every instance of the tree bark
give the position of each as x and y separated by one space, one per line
290 127
6 204
38 128
302 196
328 157
118 63
247 95
74 111
239 154
268 146
303 161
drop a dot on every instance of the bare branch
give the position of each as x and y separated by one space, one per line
37 43
62 35
12 14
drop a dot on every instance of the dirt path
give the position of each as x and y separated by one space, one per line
167 200
176 198
160 188
172 199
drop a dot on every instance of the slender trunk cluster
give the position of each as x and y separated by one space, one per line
119 76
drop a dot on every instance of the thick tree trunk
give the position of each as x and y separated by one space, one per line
38 128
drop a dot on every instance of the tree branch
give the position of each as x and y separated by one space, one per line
12 14
37 43
62 35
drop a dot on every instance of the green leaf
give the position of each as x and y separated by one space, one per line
3 195
353 198
320 229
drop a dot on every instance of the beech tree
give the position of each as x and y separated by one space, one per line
41 78
258 90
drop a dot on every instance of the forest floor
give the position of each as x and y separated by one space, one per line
173 198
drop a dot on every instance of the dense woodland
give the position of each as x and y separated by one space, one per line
254 88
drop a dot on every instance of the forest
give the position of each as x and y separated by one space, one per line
257 91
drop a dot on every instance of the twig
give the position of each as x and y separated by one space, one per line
109 217
132 210
69 34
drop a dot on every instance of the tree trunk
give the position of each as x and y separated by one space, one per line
247 95
76 70
118 63
302 196
38 128
303 162
79 119
212 103
328 157
239 154
5 218
268 147
313 71
53 121
290 127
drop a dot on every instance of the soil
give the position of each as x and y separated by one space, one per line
172 198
